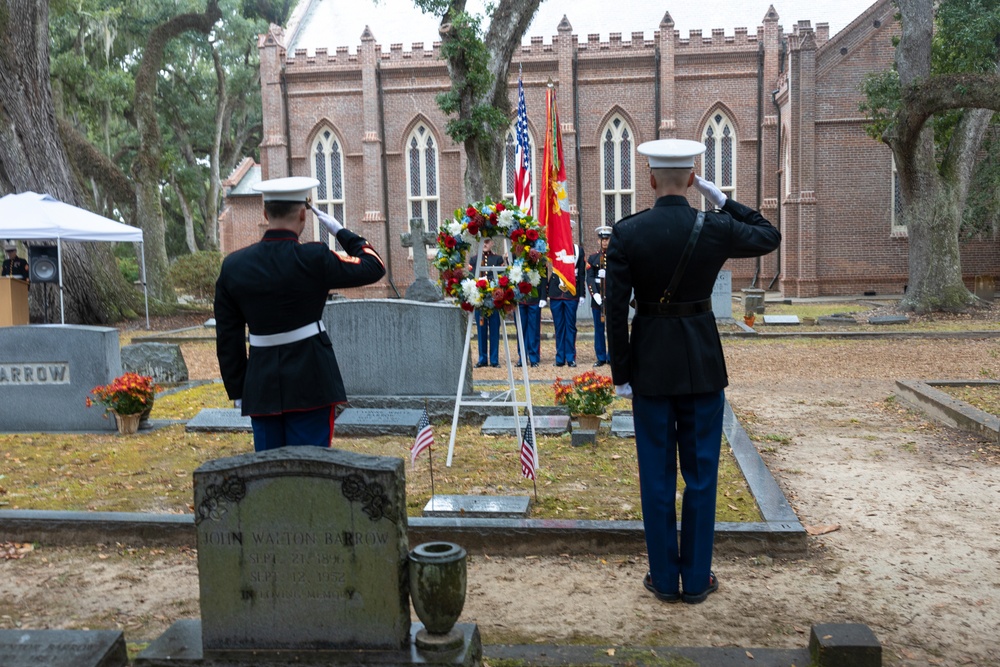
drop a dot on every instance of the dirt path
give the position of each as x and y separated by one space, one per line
915 556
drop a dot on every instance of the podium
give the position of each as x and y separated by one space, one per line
13 302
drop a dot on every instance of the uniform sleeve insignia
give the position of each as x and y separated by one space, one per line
345 258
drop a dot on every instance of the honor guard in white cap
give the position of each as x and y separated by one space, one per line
671 364
277 288
596 265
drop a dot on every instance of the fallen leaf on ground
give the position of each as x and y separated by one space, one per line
823 529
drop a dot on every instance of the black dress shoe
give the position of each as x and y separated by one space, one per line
663 597
572 364
534 364
518 364
713 585
599 364
559 364
481 364
494 365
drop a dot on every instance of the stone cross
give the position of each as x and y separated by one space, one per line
422 288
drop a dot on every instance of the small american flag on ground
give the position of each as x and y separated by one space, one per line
528 453
425 437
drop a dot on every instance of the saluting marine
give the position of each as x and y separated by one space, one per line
290 382
596 269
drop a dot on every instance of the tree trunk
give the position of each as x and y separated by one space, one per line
215 176
146 168
32 157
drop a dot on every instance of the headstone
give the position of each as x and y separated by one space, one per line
302 547
889 319
394 347
544 425
62 648
753 300
722 296
422 289
839 320
47 372
622 424
161 361
478 507
582 437
377 421
782 320
302 559
219 419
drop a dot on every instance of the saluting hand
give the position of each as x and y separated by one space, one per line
710 192
329 221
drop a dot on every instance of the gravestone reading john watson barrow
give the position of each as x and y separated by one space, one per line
302 557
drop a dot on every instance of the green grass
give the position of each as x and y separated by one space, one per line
151 471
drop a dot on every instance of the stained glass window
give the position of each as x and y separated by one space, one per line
719 161
618 158
422 168
328 168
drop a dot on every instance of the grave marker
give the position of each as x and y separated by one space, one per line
62 648
544 425
423 288
377 421
722 296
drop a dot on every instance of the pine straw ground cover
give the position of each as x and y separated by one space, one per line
151 471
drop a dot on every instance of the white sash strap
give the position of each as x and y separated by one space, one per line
286 337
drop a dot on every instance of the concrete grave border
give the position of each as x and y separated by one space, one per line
945 408
779 534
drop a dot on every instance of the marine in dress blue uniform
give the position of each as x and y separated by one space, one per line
290 381
488 326
672 365
531 323
596 270
563 305
14 266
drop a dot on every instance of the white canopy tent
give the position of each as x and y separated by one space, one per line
29 216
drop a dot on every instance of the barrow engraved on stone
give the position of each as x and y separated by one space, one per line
302 547
378 421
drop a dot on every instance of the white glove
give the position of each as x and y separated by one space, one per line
597 299
624 390
710 192
331 222
582 299
238 403
541 303
600 273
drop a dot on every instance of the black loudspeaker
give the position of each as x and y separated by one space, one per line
43 261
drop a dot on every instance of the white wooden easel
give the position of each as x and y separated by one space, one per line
510 396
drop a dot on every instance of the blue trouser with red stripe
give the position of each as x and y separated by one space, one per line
688 428
291 429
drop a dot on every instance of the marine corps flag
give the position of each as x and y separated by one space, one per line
553 210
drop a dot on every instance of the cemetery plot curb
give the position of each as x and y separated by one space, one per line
947 409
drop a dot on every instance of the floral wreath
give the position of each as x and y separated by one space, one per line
502 290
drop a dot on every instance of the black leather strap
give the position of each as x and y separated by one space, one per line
668 293
673 309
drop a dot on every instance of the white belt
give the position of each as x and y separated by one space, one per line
286 337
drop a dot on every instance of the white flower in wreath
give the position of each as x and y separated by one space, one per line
471 292
516 273
534 277
455 228
506 219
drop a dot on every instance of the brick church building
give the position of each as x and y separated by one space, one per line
778 110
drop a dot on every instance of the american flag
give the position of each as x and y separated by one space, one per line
522 183
425 437
528 453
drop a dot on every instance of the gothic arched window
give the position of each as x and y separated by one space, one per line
719 164
422 177
617 171
328 168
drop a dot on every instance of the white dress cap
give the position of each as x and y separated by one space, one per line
671 153
604 231
9 246
292 188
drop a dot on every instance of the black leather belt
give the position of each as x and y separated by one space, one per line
673 309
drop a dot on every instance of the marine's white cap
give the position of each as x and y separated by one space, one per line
604 232
671 153
292 188
9 246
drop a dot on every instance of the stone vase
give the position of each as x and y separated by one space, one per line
127 424
589 422
437 588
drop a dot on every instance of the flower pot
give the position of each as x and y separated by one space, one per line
145 413
437 589
749 319
589 422
127 424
